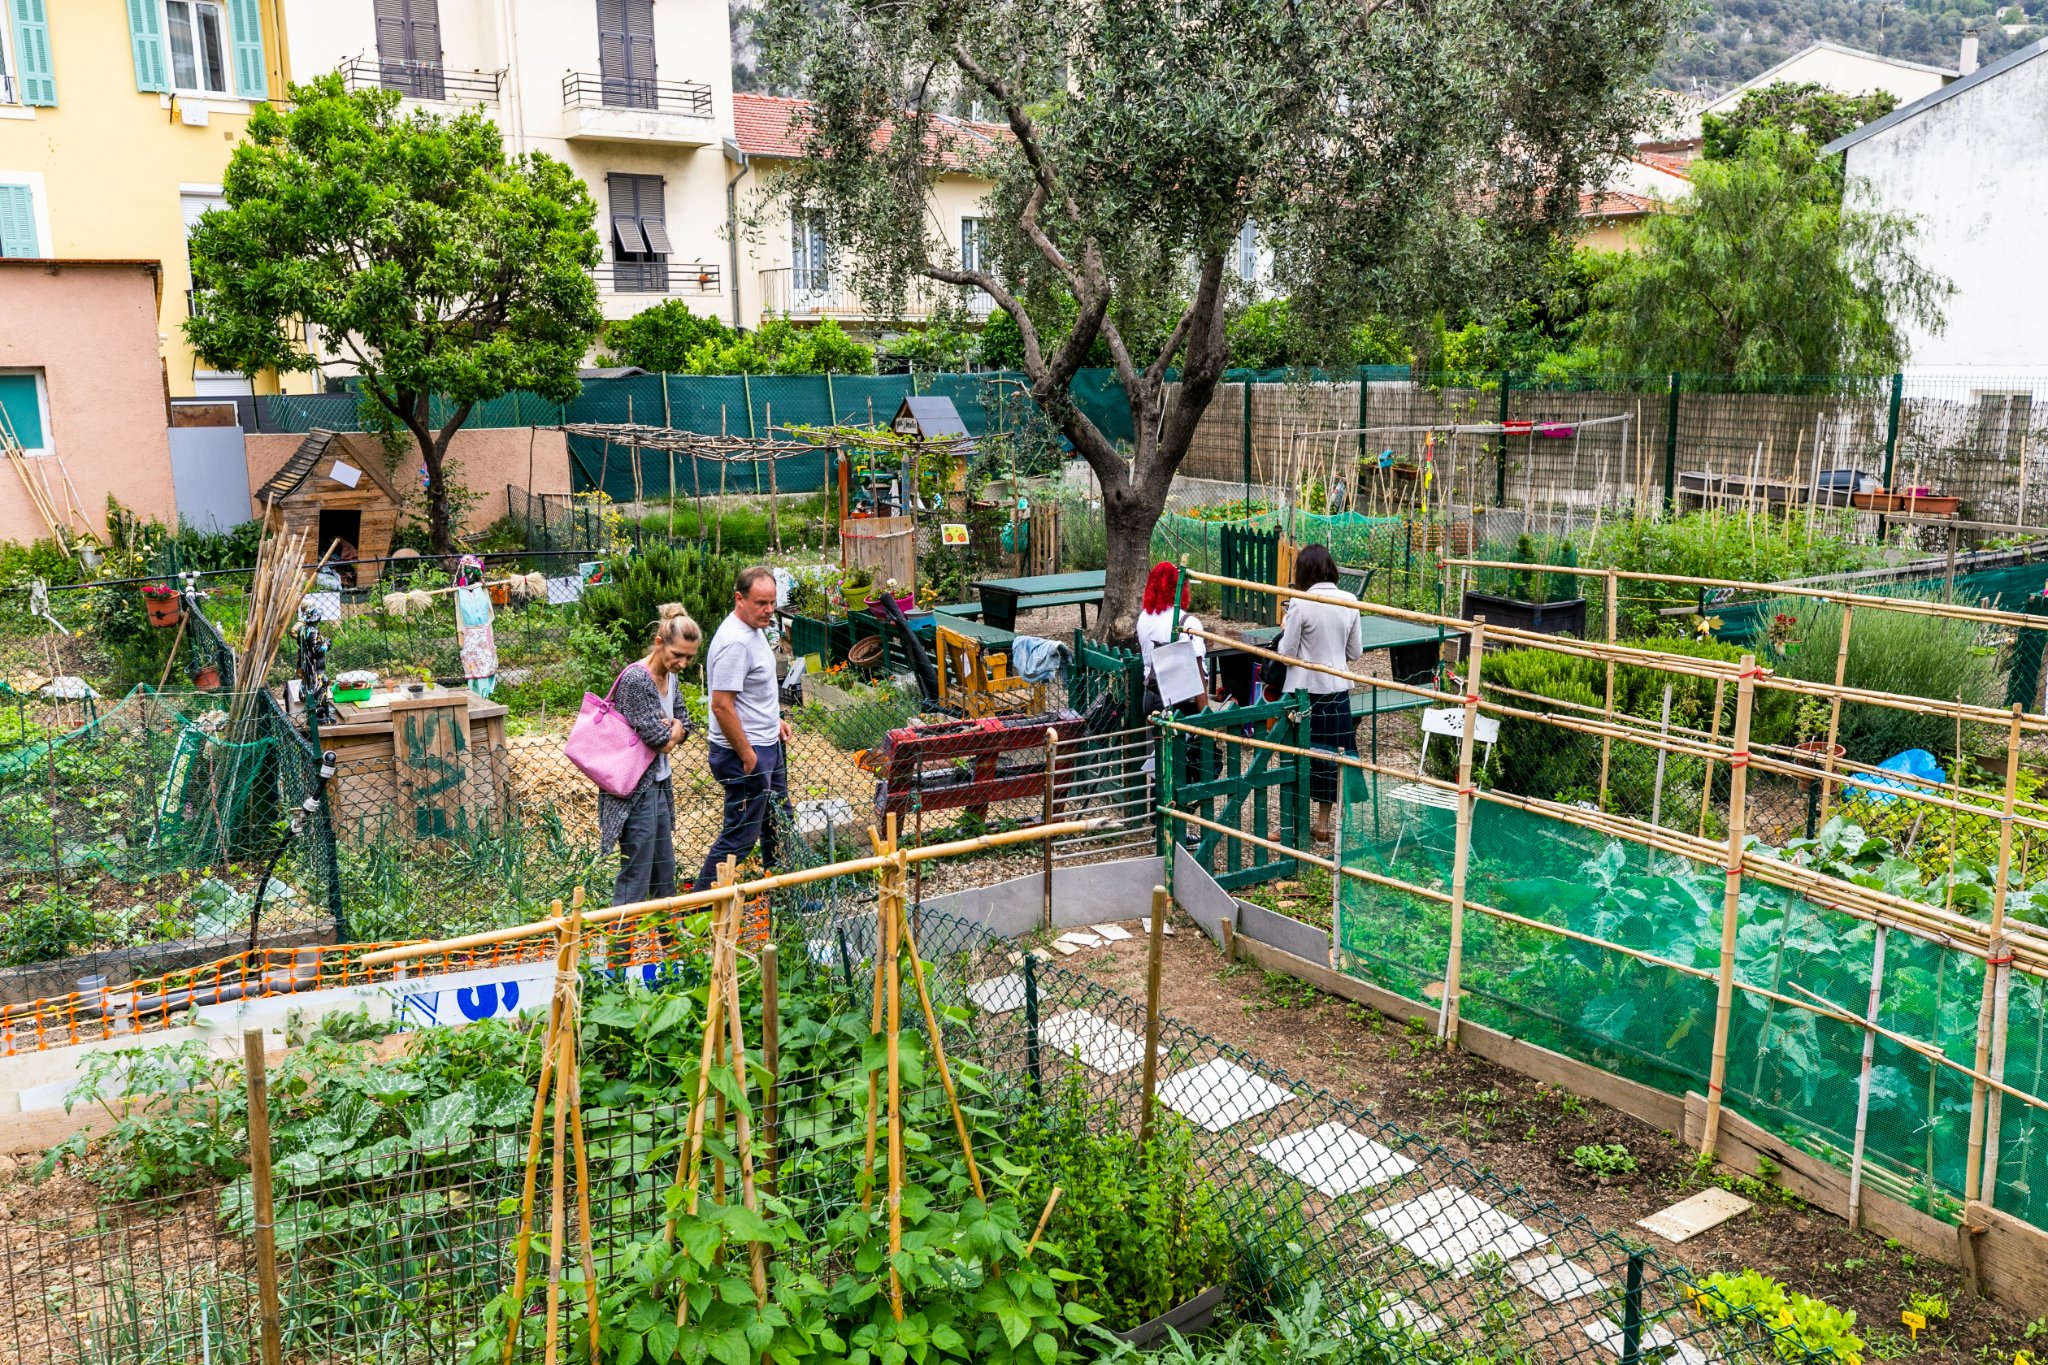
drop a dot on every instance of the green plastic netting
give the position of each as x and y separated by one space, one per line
1791 1069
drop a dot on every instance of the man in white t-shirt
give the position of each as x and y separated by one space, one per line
749 738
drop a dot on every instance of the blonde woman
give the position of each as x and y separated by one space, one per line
649 699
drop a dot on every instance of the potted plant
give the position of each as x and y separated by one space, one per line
1812 719
162 603
206 677
1533 600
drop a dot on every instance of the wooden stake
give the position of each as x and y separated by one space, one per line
1731 899
1863 1083
771 1058
891 907
1052 742
1447 1010
255 1071
774 496
756 1254
1155 952
522 1240
1714 739
1980 1181
1827 783
1043 1218
931 1023
1607 704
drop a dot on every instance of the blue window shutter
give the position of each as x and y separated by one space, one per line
32 53
146 39
245 32
18 400
17 221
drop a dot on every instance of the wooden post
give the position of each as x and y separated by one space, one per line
1607 703
774 512
671 478
257 1079
1731 898
1052 740
1447 1008
1981 1178
1827 758
1863 1084
771 1057
1155 949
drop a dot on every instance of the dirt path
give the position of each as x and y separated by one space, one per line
1526 1131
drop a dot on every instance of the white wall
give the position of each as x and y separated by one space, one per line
1974 170
1850 73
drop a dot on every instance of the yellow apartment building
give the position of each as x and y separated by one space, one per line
117 118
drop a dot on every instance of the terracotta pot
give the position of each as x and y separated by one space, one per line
501 594
163 611
207 678
1815 753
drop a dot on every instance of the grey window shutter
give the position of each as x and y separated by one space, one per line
654 215
639 27
146 42
611 50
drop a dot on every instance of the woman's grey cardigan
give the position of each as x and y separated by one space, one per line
639 705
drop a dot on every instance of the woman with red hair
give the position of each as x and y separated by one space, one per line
1155 628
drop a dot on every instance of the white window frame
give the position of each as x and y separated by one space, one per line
1247 263
10 83
49 445
977 259
40 198
810 277
227 54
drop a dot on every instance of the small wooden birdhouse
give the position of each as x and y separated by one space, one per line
334 488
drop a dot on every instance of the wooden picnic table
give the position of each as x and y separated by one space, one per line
1003 598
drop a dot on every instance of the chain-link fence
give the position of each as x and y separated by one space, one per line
394 1253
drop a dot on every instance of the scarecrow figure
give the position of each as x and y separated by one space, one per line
473 627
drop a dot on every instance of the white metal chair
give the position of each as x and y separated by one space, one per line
1448 721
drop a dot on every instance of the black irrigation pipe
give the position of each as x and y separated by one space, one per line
486 556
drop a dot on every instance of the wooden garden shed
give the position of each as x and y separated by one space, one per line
334 488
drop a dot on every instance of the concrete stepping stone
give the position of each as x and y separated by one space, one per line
1100 1045
998 994
1451 1230
1335 1160
1399 1315
1113 933
1218 1093
1605 1333
1555 1280
1688 1218
1079 939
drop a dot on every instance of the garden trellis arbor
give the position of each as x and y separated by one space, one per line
1308 458
700 448
1385 911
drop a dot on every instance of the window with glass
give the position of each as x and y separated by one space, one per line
409 48
8 93
198 32
972 251
1248 253
809 260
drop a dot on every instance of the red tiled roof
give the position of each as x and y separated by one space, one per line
773 126
1616 204
1665 162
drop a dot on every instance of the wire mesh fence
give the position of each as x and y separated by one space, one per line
394 1253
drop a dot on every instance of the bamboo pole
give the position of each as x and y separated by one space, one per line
774 492
1714 738
1981 1175
771 1058
1863 1082
876 1005
748 1198
892 913
1052 740
1731 901
1155 951
938 1042
522 1240
256 1079
1607 744
1827 784
760 886
1657 788
687 1161
557 1178
1461 858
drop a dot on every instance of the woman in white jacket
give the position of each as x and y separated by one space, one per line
1323 632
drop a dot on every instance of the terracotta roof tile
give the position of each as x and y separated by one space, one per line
1616 204
773 126
1665 162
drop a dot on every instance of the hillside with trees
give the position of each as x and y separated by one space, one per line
1729 41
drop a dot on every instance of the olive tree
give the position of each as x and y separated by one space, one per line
1392 156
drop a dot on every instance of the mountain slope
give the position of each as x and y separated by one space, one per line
1730 41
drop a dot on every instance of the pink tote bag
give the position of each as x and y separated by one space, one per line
607 749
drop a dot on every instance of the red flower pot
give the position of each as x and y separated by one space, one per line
206 679
164 608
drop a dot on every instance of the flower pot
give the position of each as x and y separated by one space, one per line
1815 753
164 609
501 594
206 679
1187 1319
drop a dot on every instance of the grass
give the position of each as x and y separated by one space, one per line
745 527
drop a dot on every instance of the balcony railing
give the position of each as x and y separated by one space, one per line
422 80
784 294
657 277
585 90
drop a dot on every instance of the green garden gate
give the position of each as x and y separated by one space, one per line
1241 788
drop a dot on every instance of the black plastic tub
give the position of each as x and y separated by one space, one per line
1187 1319
1544 618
